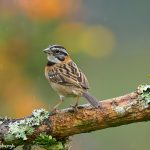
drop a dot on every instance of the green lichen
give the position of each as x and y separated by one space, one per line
4 119
123 110
144 91
22 128
1 120
50 143
143 101
120 110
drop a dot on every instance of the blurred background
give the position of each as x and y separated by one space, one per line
109 40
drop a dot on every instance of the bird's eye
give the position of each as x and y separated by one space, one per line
57 51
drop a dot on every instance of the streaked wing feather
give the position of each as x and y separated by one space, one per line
55 77
69 75
75 75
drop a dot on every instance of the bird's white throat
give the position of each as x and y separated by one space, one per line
53 59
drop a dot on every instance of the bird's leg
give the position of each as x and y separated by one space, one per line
75 106
54 109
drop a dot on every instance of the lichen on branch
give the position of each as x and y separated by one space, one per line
52 130
20 129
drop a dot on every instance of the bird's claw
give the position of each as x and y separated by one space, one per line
54 111
74 107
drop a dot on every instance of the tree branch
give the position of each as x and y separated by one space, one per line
133 107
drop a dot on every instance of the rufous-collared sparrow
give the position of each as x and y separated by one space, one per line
65 77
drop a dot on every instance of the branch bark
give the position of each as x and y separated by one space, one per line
130 108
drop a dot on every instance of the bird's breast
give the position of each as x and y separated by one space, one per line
65 90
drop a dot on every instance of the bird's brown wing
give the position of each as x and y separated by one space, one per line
69 74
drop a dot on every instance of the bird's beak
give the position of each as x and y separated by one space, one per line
46 50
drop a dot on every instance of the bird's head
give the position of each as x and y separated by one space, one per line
56 53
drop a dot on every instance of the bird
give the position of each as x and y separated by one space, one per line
65 77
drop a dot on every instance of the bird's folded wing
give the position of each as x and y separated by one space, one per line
69 75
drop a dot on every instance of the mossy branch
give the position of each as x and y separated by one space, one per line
52 130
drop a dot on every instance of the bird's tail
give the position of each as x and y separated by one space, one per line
91 99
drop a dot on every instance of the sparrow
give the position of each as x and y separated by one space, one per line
65 77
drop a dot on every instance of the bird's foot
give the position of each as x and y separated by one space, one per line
74 107
54 111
